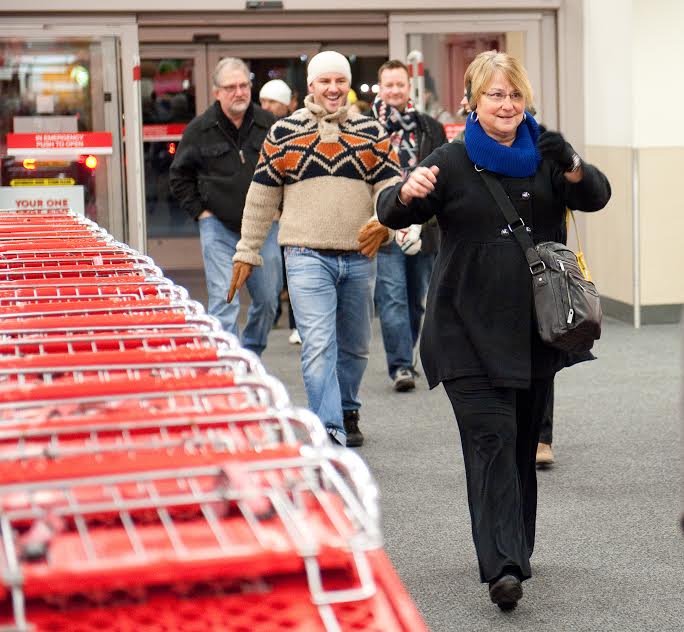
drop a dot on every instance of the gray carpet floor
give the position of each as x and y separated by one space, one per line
609 553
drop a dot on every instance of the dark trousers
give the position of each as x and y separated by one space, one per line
546 430
290 314
499 430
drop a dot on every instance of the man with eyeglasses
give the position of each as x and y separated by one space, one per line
210 175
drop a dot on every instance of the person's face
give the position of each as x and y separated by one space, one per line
500 109
330 91
464 103
234 93
395 88
276 108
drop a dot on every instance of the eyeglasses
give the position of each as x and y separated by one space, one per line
499 97
234 87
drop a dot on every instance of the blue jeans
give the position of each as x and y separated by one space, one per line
264 284
332 299
400 293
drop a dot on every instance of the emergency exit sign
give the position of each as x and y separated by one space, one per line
59 143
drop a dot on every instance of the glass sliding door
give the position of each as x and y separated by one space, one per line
449 42
66 87
172 80
52 90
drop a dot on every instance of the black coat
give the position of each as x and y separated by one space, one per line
214 165
479 318
431 135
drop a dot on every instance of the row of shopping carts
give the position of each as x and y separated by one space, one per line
153 476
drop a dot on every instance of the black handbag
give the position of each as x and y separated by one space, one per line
567 306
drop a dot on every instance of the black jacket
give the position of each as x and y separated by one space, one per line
431 135
479 318
213 166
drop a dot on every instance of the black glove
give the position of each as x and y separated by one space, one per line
552 146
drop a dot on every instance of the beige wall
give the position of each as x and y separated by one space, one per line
661 225
607 235
622 123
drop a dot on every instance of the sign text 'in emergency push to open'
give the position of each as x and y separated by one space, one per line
59 143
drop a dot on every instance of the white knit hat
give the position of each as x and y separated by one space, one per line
328 61
276 90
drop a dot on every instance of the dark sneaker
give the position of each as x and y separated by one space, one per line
506 591
404 380
351 427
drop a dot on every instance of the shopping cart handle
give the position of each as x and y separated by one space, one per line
117 386
76 307
94 322
127 359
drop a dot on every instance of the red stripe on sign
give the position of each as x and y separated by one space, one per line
421 69
410 69
162 131
137 73
59 140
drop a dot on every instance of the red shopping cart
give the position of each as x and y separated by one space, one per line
69 334
123 398
140 531
245 430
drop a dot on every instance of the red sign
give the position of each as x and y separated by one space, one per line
172 131
59 143
452 130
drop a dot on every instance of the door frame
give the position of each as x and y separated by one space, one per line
538 26
129 223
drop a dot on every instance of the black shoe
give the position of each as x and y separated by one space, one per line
351 427
506 591
403 380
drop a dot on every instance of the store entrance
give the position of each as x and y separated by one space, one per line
175 87
60 127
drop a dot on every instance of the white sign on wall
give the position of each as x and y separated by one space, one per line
43 198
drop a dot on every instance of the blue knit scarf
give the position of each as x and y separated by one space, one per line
520 160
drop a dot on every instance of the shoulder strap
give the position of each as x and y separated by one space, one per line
515 223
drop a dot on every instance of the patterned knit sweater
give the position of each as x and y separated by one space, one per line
326 170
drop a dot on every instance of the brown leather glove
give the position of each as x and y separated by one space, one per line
371 236
241 272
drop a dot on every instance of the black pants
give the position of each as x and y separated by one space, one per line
546 430
279 311
499 430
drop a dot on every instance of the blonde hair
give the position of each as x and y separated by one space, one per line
482 69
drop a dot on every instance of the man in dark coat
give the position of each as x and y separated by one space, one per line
210 175
405 265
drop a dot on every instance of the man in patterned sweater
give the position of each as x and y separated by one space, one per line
326 166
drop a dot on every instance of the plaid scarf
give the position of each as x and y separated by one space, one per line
401 127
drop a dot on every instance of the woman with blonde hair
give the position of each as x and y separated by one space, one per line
479 338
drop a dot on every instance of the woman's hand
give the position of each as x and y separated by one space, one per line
552 146
420 184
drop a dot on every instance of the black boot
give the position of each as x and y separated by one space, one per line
351 427
506 591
